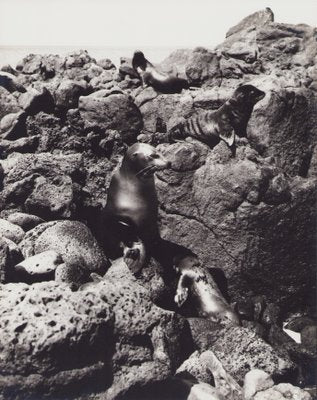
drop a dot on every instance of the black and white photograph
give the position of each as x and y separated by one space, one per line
158 181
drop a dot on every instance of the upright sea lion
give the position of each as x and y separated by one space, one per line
131 210
150 76
230 119
198 284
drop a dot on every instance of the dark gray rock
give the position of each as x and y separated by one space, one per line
13 126
111 111
34 101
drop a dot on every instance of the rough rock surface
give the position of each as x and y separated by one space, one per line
71 239
250 219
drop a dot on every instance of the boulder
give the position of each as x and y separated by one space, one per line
217 207
10 83
70 337
257 19
34 101
71 239
8 103
78 59
106 64
25 221
282 391
4 260
13 125
41 184
203 68
240 350
22 145
68 93
111 111
255 381
11 231
38 268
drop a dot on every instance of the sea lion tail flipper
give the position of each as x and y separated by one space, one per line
228 137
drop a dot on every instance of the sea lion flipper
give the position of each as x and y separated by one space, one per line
228 137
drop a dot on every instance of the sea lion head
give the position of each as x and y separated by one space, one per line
139 61
144 160
248 94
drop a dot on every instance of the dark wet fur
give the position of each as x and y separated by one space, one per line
232 116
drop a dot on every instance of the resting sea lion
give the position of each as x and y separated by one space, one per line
197 283
131 210
150 76
230 119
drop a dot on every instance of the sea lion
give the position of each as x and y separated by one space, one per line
161 82
131 210
223 124
10 82
197 283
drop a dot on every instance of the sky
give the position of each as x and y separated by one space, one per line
173 23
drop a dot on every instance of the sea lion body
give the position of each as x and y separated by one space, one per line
161 82
132 204
198 284
223 124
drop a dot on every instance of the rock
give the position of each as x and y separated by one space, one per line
8 103
4 260
34 101
72 275
11 231
70 335
259 18
38 268
309 337
282 391
271 315
288 128
240 350
104 80
114 111
9 69
161 113
205 367
10 83
41 184
71 239
68 93
51 199
25 221
175 63
78 59
215 206
13 126
106 64
22 145
255 381
203 68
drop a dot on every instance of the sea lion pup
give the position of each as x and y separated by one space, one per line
159 81
131 210
198 284
222 124
10 82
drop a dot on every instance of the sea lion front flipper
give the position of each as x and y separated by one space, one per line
228 137
181 291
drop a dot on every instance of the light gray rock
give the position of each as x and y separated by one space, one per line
11 231
282 391
38 268
259 18
13 125
255 381
71 239
25 221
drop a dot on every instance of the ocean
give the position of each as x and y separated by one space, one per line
13 54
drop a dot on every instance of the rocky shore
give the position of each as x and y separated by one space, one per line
65 123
